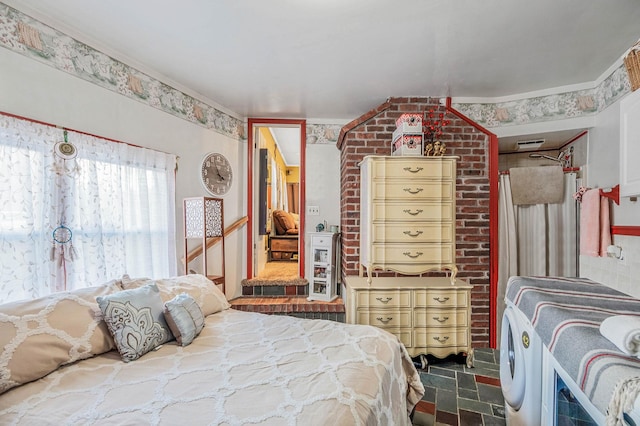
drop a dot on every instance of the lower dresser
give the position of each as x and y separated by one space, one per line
429 315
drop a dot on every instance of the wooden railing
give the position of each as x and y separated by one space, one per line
212 241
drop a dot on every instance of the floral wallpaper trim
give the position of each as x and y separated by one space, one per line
323 133
29 37
558 106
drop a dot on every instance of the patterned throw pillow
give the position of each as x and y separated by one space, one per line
136 320
184 317
208 296
39 335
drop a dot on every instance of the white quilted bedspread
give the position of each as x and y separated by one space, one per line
243 369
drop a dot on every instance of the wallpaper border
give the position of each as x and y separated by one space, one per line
554 107
29 37
25 35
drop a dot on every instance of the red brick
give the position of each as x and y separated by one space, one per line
472 220
426 407
290 290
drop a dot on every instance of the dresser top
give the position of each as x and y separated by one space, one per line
408 282
410 157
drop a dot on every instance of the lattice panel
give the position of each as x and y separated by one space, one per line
203 215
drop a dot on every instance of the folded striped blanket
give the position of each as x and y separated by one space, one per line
566 313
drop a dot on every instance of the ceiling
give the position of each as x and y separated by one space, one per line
288 141
552 140
333 60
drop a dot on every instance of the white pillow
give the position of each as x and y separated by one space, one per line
207 294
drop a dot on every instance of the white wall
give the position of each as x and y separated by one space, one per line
323 184
31 89
604 172
322 187
522 159
604 142
604 157
34 90
600 152
623 275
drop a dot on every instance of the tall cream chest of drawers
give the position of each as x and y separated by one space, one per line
407 225
407 214
429 315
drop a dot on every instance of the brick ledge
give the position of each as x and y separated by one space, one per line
286 305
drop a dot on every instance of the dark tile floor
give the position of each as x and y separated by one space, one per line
461 396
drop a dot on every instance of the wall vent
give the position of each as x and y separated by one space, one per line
529 145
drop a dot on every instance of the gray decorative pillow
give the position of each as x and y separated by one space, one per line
184 317
135 319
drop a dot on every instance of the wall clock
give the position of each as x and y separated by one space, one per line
216 173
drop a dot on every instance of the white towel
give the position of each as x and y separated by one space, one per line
624 332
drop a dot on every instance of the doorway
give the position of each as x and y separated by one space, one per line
276 196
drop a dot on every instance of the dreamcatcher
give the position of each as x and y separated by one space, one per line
62 248
65 158
66 167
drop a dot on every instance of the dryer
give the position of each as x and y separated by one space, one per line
520 369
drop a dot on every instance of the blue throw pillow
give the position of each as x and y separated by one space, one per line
184 317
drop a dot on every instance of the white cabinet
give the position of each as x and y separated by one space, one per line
630 145
323 266
407 214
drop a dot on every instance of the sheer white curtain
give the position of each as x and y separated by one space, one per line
117 200
26 208
275 202
507 244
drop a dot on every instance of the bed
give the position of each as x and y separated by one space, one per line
243 368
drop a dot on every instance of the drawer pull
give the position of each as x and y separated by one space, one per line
414 191
385 300
417 212
413 256
384 321
441 300
409 233
441 339
443 320
410 170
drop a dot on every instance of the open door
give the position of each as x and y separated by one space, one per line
266 192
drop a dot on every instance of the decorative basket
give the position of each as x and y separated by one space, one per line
632 63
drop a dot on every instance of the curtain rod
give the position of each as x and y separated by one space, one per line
564 169
44 123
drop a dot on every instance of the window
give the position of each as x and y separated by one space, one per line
113 206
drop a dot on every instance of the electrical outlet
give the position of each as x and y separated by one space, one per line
313 210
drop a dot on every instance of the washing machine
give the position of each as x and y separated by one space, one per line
520 369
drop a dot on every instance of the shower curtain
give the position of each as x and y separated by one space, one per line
535 239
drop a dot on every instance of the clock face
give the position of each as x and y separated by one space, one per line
216 174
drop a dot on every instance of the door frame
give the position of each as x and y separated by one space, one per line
251 152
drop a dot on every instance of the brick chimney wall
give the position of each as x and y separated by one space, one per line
371 134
